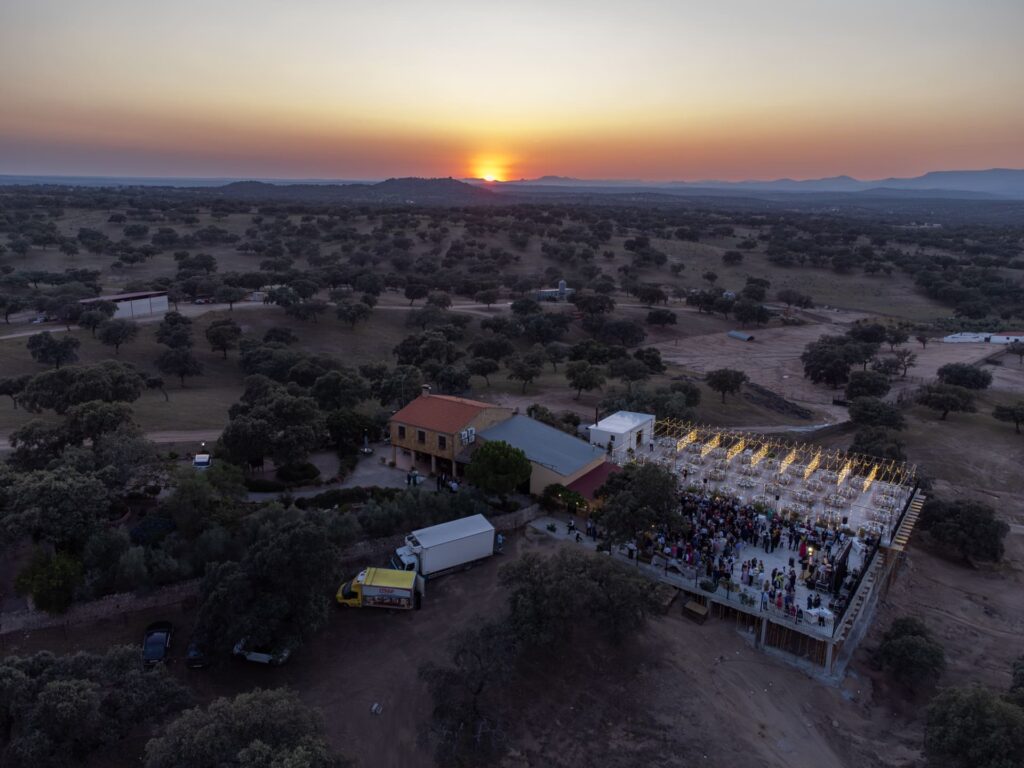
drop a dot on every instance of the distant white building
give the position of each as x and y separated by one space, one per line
622 431
561 293
1007 337
132 305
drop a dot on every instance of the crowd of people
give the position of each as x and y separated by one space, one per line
727 540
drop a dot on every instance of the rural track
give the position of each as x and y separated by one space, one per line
195 310
166 436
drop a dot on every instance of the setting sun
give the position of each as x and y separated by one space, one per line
489 167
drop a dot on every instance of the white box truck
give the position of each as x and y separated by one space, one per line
443 548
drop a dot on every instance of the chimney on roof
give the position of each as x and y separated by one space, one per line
425 390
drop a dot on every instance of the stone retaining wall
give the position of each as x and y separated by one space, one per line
105 608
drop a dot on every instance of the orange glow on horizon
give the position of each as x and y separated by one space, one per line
626 91
490 168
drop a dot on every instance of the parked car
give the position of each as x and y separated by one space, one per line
273 657
156 644
195 654
38 320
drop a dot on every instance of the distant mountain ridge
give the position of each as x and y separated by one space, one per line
992 184
406 190
996 182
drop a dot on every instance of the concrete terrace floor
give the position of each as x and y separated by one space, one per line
689 578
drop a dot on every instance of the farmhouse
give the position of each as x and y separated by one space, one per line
432 430
132 305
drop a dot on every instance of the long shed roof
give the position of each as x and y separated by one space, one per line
544 445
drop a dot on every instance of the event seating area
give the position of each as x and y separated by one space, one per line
817 488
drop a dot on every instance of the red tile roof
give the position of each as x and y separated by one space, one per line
440 413
587 484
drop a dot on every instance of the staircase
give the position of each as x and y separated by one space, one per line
883 562
902 535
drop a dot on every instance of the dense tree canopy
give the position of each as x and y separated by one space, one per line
964 375
260 728
281 590
47 349
58 711
968 528
497 467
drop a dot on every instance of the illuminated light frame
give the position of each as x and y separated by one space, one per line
686 440
739 446
757 457
683 433
870 478
710 445
812 465
844 472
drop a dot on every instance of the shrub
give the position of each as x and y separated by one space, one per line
557 496
264 485
297 474
909 654
151 529
341 497
50 580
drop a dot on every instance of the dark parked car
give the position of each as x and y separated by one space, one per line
156 644
195 655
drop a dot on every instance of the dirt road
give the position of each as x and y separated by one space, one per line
196 436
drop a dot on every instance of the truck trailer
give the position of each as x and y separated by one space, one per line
382 588
441 549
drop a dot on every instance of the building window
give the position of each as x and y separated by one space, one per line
421 437
401 432
442 442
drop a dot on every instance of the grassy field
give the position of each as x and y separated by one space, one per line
892 295
203 403
973 450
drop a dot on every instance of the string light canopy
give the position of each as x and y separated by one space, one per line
753 448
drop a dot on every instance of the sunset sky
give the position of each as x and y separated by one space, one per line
651 89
